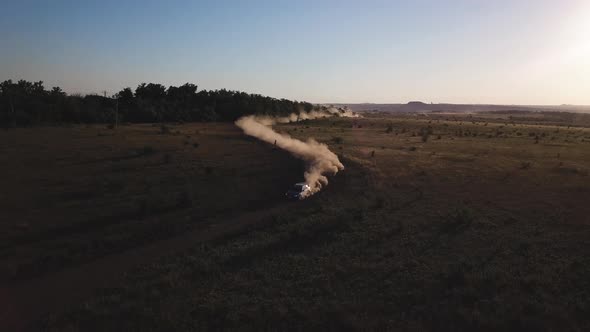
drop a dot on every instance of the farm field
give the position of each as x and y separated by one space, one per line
438 221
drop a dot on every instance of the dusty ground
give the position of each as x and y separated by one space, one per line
482 224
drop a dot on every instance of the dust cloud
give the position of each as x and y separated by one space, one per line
319 160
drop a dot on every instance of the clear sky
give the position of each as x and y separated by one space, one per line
460 51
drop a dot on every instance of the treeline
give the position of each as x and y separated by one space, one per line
26 103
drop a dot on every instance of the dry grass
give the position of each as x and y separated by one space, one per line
449 233
73 194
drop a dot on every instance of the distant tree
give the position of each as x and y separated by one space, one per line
182 93
425 133
8 92
389 128
150 91
125 95
29 103
57 92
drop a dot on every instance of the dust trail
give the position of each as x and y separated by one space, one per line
325 112
319 159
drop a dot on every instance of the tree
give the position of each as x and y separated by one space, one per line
182 93
151 91
125 95
57 92
8 91
29 103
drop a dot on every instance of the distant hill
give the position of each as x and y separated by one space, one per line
418 106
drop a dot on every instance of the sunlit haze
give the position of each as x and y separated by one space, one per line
501 52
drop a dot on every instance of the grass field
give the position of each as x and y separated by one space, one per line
77 193
439 221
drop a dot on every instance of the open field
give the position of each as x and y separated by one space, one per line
77 193
438 222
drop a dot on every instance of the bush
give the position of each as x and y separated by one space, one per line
147 150
457 219
143 208
389 128
425 133
165 130
525 165
185 198
337 140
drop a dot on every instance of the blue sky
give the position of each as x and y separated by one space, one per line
469 51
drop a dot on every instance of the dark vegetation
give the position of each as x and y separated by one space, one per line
378 261
438 222
102 194
26 103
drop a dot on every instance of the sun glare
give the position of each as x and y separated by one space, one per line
579 30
